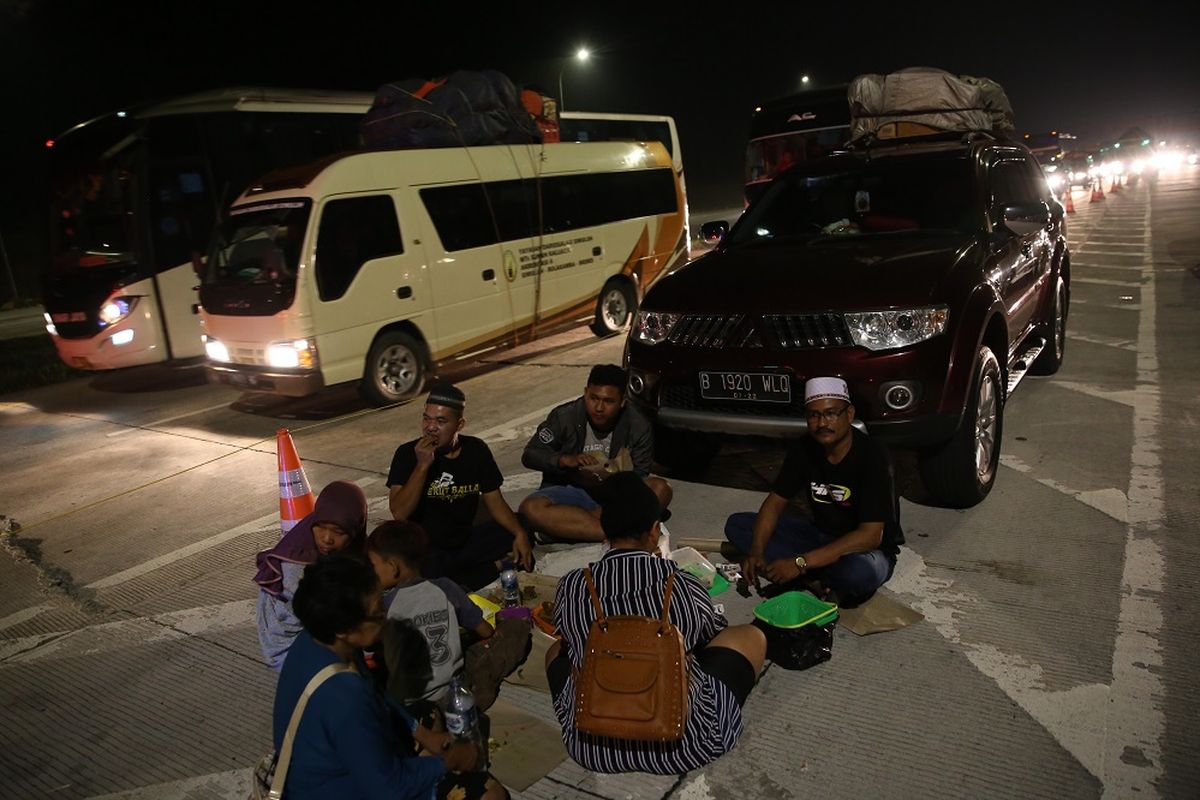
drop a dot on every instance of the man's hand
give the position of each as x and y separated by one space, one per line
752 567
425 449
577 460
782 570
522 552
461 756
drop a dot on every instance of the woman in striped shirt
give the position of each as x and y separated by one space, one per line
723 664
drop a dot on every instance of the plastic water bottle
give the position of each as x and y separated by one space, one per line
509 586
462 718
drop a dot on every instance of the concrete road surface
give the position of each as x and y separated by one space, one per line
1057 657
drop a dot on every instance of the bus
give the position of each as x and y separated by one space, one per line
796 128
387 266
592 126
136 193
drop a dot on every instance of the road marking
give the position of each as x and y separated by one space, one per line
510 431
1073 717
106 636
12 620
1113 243
234 783
1104 341
1106 282
253 526
1114 306
1092 251
130 428
1135 716
1111 502
1123 396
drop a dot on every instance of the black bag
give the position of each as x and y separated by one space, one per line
798 648
464 109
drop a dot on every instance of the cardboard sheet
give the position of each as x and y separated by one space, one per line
878 615
527 748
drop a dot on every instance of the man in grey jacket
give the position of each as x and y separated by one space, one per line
570 449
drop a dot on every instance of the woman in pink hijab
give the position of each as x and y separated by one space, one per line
338 522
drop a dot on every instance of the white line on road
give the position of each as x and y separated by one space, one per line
1123 396
1111 501
12 620
1106 282
1104 341
509 431
234 783
156 423
1135 715
1093 251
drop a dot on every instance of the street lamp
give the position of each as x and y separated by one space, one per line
804 81
581 55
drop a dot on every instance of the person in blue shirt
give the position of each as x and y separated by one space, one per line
350 742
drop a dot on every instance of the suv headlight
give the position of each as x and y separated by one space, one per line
116 309
653 327
298 353
885 330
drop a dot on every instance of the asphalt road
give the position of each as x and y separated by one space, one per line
1056 657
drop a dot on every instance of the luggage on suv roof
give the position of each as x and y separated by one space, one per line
922 100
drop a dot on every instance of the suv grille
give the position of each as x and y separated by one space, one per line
802 331
705 330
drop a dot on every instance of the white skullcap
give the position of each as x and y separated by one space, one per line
823 388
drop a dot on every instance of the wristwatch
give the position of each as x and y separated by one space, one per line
801 563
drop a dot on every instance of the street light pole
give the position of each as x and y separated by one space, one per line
581 55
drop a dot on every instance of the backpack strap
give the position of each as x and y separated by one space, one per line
285 752
666 619
601 620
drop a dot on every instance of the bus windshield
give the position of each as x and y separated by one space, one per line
767 157
877 197
95 196
258 244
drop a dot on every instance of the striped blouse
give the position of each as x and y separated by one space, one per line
632 582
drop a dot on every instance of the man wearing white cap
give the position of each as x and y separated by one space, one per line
849 547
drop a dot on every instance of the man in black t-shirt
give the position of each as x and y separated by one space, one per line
438 481
850 546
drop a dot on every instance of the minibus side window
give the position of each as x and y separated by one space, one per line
461 215
354 231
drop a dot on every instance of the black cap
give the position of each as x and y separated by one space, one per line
446 394
629 508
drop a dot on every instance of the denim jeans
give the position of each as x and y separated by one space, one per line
851 576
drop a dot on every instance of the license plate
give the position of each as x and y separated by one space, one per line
758 387
241 379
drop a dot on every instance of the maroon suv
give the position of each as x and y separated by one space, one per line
931 274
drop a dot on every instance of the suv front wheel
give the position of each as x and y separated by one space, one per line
960 473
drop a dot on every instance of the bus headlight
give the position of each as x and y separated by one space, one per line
299 353
216 351
884 330
116 309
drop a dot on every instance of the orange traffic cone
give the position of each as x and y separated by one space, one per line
1070 202
1116 184
296 499
1097 191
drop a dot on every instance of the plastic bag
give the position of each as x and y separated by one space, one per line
798 648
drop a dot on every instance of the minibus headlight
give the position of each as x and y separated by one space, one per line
298 353
116 309
885 330
216 351
653 327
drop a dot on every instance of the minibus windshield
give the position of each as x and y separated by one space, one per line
258 244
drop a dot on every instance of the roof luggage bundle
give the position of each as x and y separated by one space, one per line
463 109
922 100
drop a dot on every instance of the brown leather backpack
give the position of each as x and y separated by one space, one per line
633 682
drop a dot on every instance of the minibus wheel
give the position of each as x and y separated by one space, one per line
614 308
395 369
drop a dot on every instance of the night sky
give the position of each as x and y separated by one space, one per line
1068 66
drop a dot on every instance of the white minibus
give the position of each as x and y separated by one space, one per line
386 266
